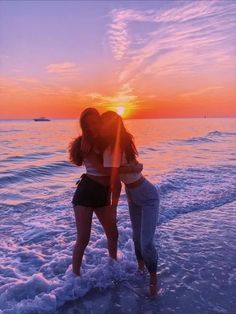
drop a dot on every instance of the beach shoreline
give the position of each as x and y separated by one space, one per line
196 271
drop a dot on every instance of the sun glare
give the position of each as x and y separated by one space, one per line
120 110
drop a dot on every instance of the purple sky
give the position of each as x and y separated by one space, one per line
143 55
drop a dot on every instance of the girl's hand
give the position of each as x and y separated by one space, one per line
130 168
138 167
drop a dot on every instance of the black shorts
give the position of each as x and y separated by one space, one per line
90 193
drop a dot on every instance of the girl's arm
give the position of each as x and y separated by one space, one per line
135 167
86 147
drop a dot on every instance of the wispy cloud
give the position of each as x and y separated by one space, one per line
186 39
66 68
202 91
28 80
94 95
32 86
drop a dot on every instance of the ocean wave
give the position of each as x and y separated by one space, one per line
33 173
192 141
11 131
191 189
182 191
38 231
25 157
39 277
219 134
209 138
186 247
54 283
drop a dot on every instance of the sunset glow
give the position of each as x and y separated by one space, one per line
120 110
140 58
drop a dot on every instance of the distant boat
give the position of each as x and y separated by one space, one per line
41 119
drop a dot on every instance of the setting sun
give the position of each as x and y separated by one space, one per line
120 110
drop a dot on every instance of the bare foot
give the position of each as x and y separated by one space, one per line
153 284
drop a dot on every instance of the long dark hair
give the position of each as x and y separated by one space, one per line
76 156
118 132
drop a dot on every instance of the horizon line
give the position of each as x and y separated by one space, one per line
135 118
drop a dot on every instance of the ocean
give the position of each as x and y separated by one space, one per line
192 161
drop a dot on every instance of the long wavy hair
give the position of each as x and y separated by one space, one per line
76 156
117 134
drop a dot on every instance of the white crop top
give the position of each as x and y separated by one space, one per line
90 169
111 159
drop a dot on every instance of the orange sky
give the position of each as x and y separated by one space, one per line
163 59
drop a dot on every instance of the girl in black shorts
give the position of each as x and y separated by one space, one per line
94 192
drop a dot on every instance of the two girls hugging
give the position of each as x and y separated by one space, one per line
108 152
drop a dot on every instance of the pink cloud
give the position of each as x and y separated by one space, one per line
66 68
193 37
202 91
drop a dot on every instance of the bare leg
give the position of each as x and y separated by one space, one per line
107 218
83 219
141 265
153 284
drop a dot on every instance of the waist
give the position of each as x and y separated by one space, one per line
104 180
95 174
91 170
135 183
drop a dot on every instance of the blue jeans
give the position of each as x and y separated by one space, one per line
143 203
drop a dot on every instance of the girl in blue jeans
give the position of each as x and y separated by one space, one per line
143 197
143 203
